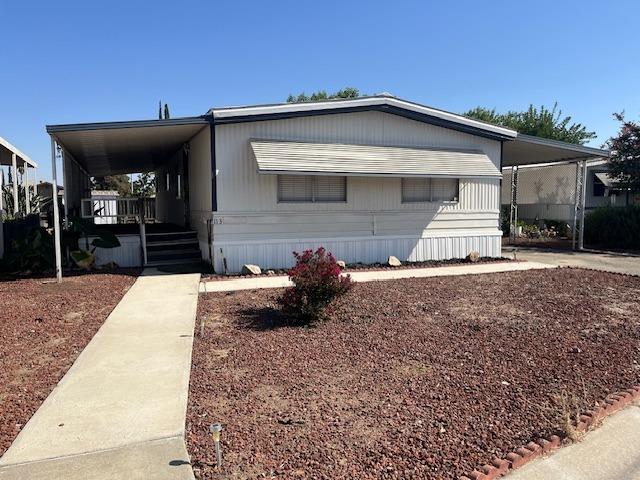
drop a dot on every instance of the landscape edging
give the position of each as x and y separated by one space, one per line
532 450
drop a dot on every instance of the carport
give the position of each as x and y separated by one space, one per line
527 154
17 162
112 148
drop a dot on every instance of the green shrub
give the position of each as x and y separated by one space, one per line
614 227
316 283
31 253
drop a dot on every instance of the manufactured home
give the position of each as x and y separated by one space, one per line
548 192
366 178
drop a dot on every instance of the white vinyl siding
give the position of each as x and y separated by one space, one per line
306 188
430 190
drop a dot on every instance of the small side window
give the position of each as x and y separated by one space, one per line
598 187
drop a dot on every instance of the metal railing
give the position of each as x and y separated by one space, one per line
118 209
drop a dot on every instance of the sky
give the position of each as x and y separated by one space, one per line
87 61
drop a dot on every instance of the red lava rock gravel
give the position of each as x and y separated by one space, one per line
43 328
415 378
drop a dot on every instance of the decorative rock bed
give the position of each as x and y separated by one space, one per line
416 378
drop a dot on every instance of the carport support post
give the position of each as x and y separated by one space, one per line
582 205
27 203
56 213
578 205
14 178
513 205
1 190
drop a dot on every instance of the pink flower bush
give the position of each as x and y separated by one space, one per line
317 282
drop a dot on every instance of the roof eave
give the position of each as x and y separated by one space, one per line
383 103
75 127
589 151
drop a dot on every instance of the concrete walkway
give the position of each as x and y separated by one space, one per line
605 261
119 412
373 275
610 452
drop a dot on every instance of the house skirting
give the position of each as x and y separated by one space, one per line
277 253
128 254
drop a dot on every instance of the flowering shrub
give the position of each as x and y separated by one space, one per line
317 282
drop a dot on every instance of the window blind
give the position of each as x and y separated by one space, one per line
430 190
306 188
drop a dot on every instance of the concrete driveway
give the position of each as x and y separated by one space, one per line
606 261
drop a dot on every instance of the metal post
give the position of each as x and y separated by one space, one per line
143 230
27 202
1 190
582 205
578 203
513 207
67 186
14 177
56 213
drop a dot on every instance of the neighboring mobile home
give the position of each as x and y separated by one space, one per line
547 192
366 178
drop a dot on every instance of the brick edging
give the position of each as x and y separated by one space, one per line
532 450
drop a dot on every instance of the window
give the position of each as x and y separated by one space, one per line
598 187
430 190
167 184
305 188
179 186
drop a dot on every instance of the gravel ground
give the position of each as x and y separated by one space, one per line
416 378
43 328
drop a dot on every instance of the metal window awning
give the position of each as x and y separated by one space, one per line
302 158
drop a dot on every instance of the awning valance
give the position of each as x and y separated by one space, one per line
302 158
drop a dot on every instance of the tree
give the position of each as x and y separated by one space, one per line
624 163
119 183
163 113
145 185
540 122
322 95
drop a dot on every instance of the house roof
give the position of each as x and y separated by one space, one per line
384 103
134 146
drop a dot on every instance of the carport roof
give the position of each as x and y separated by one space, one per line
529 150
113 148
6 152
